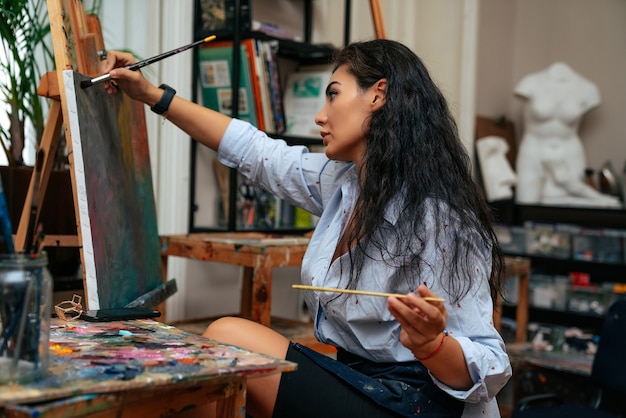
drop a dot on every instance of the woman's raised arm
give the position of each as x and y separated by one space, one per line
202 124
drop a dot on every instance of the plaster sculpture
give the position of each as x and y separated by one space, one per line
551 159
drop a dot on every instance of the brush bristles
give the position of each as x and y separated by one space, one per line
85 83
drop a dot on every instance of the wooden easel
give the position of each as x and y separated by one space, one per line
67 19
77 44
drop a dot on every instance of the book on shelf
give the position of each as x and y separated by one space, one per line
275 110
265 63
258 83
264 90
216 72
304 96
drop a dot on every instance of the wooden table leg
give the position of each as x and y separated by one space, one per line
246 293
521 314
256 291
520 268
262 291
234 402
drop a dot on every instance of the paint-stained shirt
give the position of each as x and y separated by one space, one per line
363 325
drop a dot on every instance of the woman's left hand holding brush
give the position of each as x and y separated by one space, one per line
424 333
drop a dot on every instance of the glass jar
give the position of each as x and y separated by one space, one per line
25 310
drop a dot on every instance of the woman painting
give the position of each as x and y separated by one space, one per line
399 212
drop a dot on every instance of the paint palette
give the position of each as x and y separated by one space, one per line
94 357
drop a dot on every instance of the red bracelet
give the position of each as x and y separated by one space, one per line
444 334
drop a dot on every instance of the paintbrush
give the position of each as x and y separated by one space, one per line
360 292
134 67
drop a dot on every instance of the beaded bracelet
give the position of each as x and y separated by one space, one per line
444 334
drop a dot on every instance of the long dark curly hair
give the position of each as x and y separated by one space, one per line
414 151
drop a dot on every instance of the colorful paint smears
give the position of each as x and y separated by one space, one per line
92 357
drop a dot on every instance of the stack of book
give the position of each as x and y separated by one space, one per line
260 95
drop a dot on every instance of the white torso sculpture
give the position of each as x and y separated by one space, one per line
551 160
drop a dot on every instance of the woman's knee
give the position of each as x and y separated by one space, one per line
253 336
249 335
222 328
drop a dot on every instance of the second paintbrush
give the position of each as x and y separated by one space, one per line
360 292
134 67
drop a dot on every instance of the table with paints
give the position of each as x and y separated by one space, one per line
136 368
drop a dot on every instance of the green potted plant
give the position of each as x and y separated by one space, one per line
26 55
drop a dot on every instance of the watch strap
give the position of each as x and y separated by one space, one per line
164 104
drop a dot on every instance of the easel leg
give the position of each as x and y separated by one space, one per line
49 144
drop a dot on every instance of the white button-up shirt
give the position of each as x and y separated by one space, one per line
362 325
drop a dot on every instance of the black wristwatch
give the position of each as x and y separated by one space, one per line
164 104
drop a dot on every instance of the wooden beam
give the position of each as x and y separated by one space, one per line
377 17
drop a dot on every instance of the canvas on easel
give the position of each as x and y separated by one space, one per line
107 147
117 213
